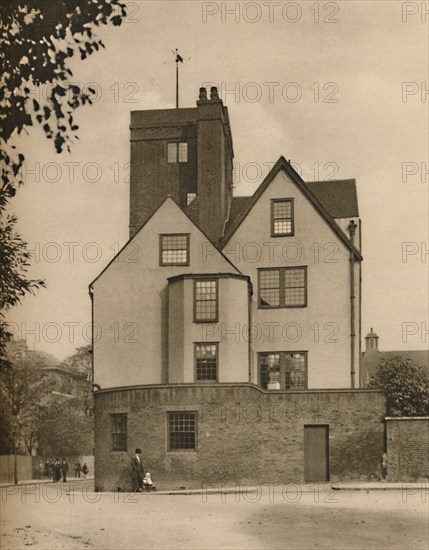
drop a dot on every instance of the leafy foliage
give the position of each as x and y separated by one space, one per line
36 415
14 264
64 431
24 387
67 429
406 387
39 37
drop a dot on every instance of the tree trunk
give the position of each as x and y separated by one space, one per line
15 467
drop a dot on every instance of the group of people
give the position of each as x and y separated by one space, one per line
78 468
141 482
55 470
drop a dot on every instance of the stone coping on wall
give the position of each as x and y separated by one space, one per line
241 385
404 418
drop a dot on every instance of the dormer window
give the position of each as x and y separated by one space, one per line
177 152
174 249
282 218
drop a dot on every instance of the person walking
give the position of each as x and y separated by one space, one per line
64 469
41 469
85 469
56 470
137 471
77 469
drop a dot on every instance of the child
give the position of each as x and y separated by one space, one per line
383 467
148 483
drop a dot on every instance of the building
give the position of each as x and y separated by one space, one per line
228 328
372 357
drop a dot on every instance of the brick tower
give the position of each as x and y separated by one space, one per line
185 153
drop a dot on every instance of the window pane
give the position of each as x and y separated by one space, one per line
190 197
268 361
282 226
172 152
206 361
119 432
295 375
282 209
282 221
205 300
269 286
295 287
174 249
183 152
181 427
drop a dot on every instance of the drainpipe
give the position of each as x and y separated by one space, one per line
249 343
352 231
91 295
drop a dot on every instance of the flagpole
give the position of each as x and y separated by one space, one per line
177 84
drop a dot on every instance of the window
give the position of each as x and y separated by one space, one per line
177 152
283 287
190 197
282 217
206 359
205 301
182 431
295 287
174 249
290 368
118 425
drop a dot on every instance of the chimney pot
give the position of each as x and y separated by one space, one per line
214 96
203 94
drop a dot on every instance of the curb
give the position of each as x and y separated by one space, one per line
43 481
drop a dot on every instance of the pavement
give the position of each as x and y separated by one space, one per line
276 487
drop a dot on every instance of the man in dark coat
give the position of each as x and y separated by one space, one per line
137 471
56 470
64 469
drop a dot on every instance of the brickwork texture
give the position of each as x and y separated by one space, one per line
244 434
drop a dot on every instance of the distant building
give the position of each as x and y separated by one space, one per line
372 358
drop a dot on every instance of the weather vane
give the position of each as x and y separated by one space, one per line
177 59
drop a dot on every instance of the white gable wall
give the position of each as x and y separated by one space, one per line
130 302
323 327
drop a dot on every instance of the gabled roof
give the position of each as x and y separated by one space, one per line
283 164
339 197
187 214
193 210
371 359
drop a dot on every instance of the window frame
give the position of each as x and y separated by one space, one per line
208 280
188 250
216 345
283 368
113 433
177 152
292 218
282 288
168 432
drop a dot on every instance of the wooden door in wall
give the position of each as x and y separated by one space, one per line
316 453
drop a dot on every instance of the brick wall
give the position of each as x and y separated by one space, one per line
407 448
244 434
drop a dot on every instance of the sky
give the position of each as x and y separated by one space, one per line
339 88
